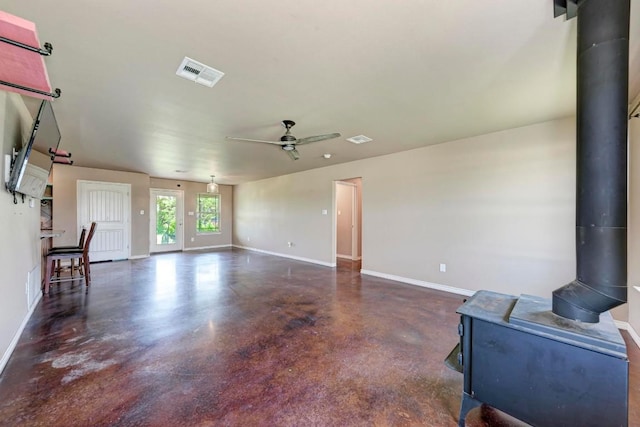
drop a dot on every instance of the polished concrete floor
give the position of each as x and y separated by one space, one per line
236 338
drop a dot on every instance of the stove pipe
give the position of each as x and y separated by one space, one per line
601 187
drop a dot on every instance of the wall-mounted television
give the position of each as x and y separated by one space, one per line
31 166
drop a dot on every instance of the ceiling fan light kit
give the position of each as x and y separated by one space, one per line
289 142
212 187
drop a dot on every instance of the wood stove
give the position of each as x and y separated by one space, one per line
521 358
562 362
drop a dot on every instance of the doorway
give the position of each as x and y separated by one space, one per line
166 220
348 214
107 204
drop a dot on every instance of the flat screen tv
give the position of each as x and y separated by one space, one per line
30 168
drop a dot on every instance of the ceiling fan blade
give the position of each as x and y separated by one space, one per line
317 138
254 140
293 154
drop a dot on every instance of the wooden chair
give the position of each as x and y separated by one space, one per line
81 254
73 267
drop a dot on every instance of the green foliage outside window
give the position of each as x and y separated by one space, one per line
165 220
208 213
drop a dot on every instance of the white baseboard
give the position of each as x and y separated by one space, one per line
466 292
627 327
139 256
297 258
16 337
621 325
634 335
200 248
430 285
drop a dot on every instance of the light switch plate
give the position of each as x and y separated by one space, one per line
7 167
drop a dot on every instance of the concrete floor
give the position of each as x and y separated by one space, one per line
236 338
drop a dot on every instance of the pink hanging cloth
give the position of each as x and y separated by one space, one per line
18 65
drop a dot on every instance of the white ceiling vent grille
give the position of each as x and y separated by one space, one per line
360 139
198 72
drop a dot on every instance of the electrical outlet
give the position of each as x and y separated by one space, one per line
193 239
290 244
443 268
248 239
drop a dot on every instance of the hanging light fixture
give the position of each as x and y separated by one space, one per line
212 187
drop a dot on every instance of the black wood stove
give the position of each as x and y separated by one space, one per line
519 357
562 361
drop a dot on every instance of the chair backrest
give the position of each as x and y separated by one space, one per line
82 236
85 249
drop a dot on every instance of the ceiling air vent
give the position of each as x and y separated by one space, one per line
360 139
198 72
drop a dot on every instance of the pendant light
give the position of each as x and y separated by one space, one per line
212 187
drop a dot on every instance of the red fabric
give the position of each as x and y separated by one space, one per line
21 66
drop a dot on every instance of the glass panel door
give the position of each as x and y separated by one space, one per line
166 220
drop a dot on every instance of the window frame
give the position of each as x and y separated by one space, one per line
199 213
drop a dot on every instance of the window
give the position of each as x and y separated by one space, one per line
208 220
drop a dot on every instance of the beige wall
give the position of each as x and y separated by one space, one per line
65 206
498 209
19 230
634 225
269 213
190 191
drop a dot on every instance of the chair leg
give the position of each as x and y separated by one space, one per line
47 277
87 269
82 271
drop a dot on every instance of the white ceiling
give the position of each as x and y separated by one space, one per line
407 74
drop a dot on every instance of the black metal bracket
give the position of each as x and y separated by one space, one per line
48 49
565 7
60 157
55 94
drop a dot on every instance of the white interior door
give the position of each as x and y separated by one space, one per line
108 204
166 220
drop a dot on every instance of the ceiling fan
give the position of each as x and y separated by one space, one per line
289 142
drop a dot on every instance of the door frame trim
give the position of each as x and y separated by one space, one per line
355 255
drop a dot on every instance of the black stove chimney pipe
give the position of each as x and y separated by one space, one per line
601 205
